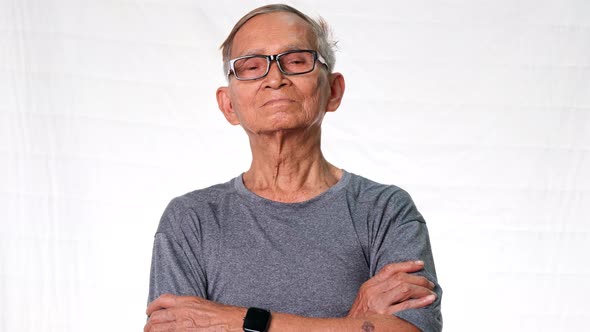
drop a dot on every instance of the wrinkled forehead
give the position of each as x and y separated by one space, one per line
272 33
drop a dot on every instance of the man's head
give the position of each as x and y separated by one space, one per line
292 95
320 31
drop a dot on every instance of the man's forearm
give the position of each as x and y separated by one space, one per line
191 313
281 322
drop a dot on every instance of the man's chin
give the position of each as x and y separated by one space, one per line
282 129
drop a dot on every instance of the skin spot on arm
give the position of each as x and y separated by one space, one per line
368 327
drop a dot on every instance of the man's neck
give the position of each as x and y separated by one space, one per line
288 166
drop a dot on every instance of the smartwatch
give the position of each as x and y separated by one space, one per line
256 320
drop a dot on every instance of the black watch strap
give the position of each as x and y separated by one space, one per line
256 320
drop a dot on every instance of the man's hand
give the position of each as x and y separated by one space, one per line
392 289
192 313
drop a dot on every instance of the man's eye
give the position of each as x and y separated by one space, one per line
249 65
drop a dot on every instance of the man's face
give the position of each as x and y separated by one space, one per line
278 101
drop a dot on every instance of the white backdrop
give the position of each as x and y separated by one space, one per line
480 109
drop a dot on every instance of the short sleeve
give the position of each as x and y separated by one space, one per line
175 267
400 234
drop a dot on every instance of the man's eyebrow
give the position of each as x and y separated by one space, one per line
251 52
259 51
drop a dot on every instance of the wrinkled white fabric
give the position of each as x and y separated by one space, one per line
481 110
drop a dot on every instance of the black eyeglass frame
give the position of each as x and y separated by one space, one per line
269 59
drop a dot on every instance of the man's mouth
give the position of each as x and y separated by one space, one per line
277 101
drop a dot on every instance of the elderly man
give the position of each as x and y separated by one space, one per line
294 243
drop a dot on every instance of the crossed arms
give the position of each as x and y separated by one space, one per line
393 289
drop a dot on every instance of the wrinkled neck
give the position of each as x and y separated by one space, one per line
288 166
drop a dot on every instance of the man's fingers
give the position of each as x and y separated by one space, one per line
417 280
163 327
406 292
162 316
401 297
394 288
390 269
412 304
162 302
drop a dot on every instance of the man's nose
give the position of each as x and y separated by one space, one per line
275 78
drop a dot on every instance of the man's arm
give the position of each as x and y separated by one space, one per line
391 290
399 233
192 313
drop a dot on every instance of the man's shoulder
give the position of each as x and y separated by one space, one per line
365 189
197 199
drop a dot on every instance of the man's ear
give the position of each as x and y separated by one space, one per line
336 91
225 105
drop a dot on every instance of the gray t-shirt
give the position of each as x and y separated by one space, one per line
226 244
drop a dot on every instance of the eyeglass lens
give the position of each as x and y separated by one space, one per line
290 63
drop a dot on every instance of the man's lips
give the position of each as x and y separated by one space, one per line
277 101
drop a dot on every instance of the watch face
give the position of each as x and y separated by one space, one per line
256 320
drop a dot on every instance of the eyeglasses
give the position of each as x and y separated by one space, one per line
252 67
